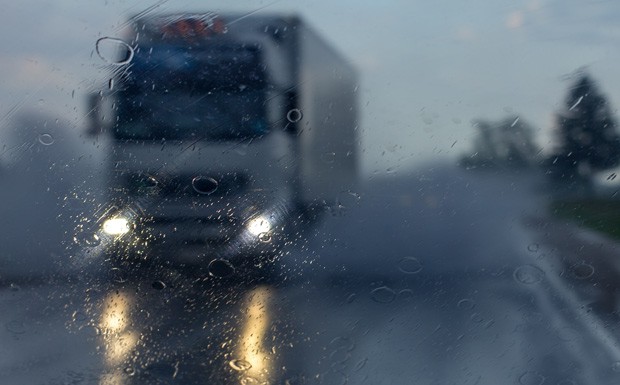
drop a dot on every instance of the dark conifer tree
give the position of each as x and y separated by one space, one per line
587 136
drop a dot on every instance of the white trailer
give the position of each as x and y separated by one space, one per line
222 129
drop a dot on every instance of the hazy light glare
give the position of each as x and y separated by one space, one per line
259 225
118 339
115 313
116 226
120 346
252 344
115 378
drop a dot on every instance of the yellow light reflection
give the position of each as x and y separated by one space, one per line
251 347
114 378
119 347
115 314
118 339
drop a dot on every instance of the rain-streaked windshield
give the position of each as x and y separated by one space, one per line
191 91
309 192
189 114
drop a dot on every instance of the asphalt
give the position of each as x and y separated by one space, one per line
436 276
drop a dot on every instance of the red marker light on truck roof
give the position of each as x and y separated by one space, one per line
192 27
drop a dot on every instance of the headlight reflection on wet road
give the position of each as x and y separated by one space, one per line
117 337
256 362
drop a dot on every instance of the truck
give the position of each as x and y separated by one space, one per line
223 132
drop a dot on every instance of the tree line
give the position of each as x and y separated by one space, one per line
585 134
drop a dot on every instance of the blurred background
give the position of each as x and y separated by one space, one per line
428 69
479 247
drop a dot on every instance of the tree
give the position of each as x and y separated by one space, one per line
586 132
508 142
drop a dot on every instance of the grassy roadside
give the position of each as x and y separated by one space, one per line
596 214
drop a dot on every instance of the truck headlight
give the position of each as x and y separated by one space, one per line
116 226
259 225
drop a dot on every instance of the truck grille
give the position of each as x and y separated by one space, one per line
184 231
189 185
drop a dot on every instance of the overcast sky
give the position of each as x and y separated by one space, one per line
427 67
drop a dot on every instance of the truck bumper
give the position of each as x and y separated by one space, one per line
240 234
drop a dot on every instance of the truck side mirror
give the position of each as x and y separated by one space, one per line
94 125
293 114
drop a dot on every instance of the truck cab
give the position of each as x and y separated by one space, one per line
221 131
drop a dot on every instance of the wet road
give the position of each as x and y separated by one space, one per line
437 276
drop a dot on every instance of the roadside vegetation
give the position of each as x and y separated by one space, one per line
602 215
587 143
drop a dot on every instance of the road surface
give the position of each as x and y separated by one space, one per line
434 276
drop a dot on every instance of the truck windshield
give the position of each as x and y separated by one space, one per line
178 92
222 115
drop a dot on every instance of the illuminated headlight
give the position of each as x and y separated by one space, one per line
116 226
259 225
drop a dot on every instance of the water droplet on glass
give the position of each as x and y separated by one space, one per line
344 342
360 364
583 270
241 150
78 316
94 331
14 287
351 298
221 268
130 371
347 199
339 355
476 317
249 381
117 275
383 294
616 366
204 185
405 294
16 327
294 115
328 157
158 285
531 378
533 247
410 265
264 237
240 365
114 51
489 324
85 238
528 274
576 103
111 84
466 304
46 139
